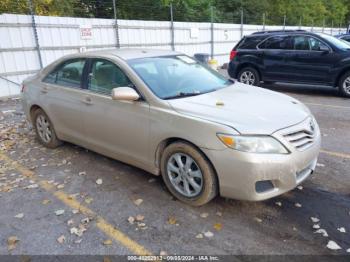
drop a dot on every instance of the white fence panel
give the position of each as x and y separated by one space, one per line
59 36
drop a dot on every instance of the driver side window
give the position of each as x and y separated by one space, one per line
308 43
317 45
105 76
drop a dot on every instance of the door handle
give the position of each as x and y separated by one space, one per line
44 90
87 100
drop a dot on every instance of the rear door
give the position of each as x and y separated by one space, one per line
309 62
274 56
61 95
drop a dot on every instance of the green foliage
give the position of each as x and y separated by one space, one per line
41 7
11 6
308 12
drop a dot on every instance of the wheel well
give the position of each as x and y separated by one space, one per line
32 110
162 145
340 75
241 66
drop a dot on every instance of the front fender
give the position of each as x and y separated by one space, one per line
340 68
167 123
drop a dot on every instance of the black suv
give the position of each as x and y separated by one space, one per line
292 56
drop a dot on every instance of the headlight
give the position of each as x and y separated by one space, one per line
253 144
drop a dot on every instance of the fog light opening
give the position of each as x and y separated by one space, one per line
264 186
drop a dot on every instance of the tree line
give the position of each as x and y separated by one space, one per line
273 12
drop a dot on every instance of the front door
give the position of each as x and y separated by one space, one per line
310 61
119 129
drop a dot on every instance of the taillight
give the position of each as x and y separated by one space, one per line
233 54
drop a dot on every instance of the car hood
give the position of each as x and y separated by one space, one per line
248 109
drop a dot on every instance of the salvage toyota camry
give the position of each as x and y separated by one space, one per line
164 112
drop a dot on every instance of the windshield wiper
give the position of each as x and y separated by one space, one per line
187 94
183 94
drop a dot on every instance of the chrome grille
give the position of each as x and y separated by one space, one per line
303 138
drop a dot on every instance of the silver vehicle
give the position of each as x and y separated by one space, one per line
167 114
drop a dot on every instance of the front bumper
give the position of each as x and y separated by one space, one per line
248 176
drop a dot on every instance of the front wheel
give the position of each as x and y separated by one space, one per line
188 174
249 76
344 85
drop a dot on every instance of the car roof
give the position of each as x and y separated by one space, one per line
278 32
126 53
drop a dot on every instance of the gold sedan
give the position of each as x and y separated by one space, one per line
164 112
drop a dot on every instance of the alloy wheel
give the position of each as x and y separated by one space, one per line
44 129
247 77
346 85
185 175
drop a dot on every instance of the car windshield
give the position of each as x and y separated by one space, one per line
341 44
177 76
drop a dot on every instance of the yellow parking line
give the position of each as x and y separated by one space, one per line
325 105
337 154
101 223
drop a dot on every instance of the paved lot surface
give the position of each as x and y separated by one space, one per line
38 183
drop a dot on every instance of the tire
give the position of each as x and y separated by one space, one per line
44 130
208 181
344 84
250 74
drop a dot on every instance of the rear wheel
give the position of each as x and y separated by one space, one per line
188 174
44 129
249 76
344 85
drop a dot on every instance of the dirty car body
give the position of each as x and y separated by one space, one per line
256 143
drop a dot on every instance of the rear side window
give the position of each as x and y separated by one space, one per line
68 74
276 42
249 43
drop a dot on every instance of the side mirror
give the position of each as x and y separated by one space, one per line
125 94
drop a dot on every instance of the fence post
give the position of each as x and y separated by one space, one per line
242 21
332 28
300 23
116 23
172 32
339 28
312 25
212 32
323 25
284 22
264 21
35 32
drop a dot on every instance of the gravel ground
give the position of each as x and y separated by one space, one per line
30 208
